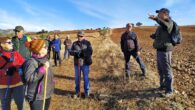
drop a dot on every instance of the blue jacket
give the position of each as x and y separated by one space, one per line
56 45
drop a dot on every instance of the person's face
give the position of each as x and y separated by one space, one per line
56 36
19 34
80 38
43 50
129 28
7 45
162 15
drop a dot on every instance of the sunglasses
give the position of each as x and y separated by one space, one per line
80 36
17 31
8 42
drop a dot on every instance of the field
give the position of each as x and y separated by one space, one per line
109 90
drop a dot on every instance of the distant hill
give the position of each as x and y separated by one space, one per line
7 31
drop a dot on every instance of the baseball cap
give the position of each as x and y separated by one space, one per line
128 25
18 28
80 33
164 10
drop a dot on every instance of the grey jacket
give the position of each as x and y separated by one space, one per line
35 80
162 40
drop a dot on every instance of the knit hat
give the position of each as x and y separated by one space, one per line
35 45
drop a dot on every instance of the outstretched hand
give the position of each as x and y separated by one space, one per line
153 17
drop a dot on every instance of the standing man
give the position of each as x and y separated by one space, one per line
49 40
82 52
68 44
130 47
56 46
162 43
19 41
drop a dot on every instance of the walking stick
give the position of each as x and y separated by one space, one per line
45 89
6 93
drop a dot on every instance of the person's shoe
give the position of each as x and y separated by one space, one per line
143 76
87 95
75 96
127 75
161 88
168 94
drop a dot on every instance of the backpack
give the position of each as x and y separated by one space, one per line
130 41
176 36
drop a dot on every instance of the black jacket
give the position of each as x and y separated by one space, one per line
124 37
35 80
82 49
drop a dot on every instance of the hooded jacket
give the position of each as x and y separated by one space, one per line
34 77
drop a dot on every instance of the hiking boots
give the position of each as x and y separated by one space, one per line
161 88
75 96
87 95
167 94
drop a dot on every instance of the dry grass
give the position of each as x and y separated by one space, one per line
110 90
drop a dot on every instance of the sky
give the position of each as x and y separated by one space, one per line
35 15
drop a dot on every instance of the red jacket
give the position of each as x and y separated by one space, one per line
15 78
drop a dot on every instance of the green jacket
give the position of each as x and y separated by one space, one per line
162 41
19 45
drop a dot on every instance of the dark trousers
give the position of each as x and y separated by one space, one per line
57 57
49 54
37 104
17 93
138 59
165 70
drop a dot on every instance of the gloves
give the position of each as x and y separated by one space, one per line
153 36
81 54
10 71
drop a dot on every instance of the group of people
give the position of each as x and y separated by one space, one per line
162 43
54 48
25 70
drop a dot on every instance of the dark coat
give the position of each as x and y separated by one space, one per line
82 50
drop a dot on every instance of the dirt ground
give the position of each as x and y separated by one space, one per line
109 89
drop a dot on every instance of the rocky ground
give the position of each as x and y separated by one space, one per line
110 91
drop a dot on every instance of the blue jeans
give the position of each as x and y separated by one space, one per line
85 70
165 70
67 51
138 59
17 93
